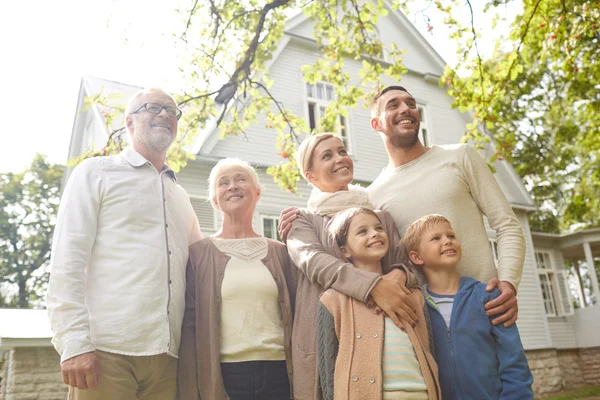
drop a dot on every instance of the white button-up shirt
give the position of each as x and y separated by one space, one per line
119 255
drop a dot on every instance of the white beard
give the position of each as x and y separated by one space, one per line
158 141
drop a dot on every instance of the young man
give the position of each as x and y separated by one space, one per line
476 359
120 248
450 180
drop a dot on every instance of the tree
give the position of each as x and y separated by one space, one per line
537 97
28 206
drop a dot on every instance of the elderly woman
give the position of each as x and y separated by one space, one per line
325 163
236 334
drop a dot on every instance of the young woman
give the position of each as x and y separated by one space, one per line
325 163
363 355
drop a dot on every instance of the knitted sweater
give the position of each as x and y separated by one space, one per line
456 182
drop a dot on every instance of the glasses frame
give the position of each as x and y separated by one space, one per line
177 115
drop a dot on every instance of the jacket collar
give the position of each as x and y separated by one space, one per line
136 160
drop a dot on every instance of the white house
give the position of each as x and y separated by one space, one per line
561 347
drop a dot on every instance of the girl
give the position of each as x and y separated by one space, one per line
363 355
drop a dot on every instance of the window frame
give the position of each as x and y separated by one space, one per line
275 220
546 267
320 104
424 129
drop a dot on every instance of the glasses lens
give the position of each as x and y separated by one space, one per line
172 111
154 108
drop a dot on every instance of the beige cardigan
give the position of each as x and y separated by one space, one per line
360 332
320 260
199 371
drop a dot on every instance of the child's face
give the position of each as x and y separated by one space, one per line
438 247
366 240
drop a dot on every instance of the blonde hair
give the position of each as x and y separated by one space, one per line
340 223
228 162
416 230
304 155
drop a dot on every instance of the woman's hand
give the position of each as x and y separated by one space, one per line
285 222
505 304
393 298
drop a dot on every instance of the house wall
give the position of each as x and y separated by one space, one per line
532 322
587 326
32 374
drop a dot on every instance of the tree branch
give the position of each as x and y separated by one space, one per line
281 109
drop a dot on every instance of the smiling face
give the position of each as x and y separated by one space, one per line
332 168
366 240
438 247
398 118
152 131
235 190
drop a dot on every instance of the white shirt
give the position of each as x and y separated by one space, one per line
119 255
456 182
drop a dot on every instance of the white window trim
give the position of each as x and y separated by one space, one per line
270 217
325 103
426 139
553 274
205 199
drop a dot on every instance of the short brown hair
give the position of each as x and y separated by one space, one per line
374 107
417 229
339 225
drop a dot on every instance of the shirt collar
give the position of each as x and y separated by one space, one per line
136 160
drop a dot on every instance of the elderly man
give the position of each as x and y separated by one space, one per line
453 181
120 248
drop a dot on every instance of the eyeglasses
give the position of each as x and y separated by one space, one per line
157 109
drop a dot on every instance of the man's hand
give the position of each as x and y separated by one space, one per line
81 371
398 275
285 222
505 304
392 298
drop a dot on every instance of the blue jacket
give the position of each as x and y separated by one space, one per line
477 360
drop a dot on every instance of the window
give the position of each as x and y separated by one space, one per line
553 282
269 227
423 130
205 213
319 96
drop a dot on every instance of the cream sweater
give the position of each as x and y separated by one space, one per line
456 182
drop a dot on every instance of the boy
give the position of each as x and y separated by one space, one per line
476 359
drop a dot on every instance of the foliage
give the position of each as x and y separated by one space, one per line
537 97
28 207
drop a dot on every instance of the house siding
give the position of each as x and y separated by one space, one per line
532 323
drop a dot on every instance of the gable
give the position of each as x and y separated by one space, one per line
395 28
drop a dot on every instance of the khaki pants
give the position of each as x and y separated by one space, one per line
132 377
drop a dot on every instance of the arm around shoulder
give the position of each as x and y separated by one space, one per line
309 254
495 206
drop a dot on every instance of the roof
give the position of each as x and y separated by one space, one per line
24 328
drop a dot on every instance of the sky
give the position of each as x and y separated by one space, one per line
47 46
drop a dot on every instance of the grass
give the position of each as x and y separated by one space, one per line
580 393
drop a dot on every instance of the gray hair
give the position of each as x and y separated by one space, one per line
228 162
132 104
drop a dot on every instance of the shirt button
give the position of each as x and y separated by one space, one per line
166 225
358 335
170 252
375 335
372 380
170 281
355 378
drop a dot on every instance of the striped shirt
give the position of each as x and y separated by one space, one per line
401 371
